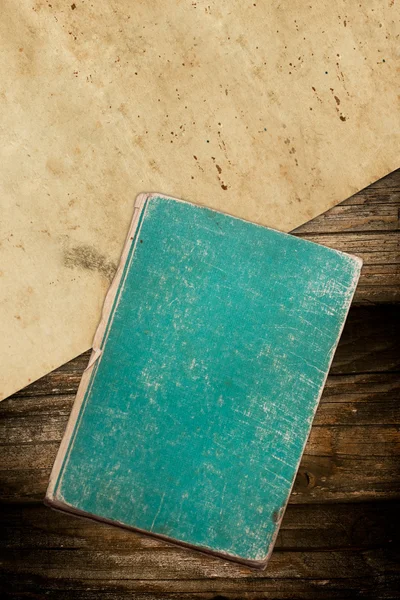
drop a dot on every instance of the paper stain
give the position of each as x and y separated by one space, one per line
88 258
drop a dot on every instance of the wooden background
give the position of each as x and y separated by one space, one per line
340 535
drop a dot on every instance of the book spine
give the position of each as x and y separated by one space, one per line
99 336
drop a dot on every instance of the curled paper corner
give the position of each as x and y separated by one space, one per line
96 353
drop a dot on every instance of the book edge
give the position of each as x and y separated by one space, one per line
96 351
66 508
356 277
355 258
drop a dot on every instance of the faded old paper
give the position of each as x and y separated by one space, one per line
270 111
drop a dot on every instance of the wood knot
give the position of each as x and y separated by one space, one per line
307 479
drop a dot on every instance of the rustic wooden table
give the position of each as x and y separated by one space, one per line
340 534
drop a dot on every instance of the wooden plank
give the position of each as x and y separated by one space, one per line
172 570
370 342
380 277
383 191
320 478
354 217
367 225
43 587
173 563
75 557
316 527
351 454
358 400
376 208
350 462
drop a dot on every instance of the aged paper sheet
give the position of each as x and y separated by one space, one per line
269 111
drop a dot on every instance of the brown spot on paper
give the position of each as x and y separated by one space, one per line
88 258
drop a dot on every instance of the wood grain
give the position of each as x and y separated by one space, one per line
79 554
367 224
376 208
340 534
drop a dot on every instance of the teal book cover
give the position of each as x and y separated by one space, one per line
207 368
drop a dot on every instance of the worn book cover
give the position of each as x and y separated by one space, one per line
207 368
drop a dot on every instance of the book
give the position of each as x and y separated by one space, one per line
208 364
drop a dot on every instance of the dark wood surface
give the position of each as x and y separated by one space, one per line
340 534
